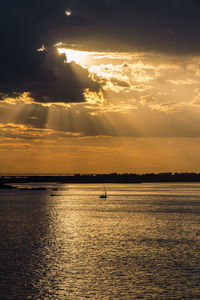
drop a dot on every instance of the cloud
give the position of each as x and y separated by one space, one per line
97 105
148 99
196 99
27 132
194 66
168 26
124 77
54 81
182 82
29 61
29 30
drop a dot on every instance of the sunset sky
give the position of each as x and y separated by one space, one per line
96 86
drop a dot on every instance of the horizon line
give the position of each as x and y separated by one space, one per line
86 174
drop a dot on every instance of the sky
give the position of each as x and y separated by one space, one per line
99 86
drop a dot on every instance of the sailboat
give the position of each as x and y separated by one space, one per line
103 196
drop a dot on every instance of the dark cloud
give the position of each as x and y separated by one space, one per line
170 26
25 27
52 80
49 79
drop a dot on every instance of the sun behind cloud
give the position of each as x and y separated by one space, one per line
79 57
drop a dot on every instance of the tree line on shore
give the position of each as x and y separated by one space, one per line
104 178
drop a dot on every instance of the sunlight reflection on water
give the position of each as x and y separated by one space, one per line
141 242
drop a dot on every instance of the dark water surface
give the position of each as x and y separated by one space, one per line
142 242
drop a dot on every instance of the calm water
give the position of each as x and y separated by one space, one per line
142 242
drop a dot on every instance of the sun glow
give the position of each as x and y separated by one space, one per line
79 57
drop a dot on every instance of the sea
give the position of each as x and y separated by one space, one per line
142 242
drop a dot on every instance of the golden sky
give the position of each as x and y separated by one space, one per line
142 116
99 86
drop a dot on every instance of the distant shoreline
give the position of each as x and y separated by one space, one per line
102 178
